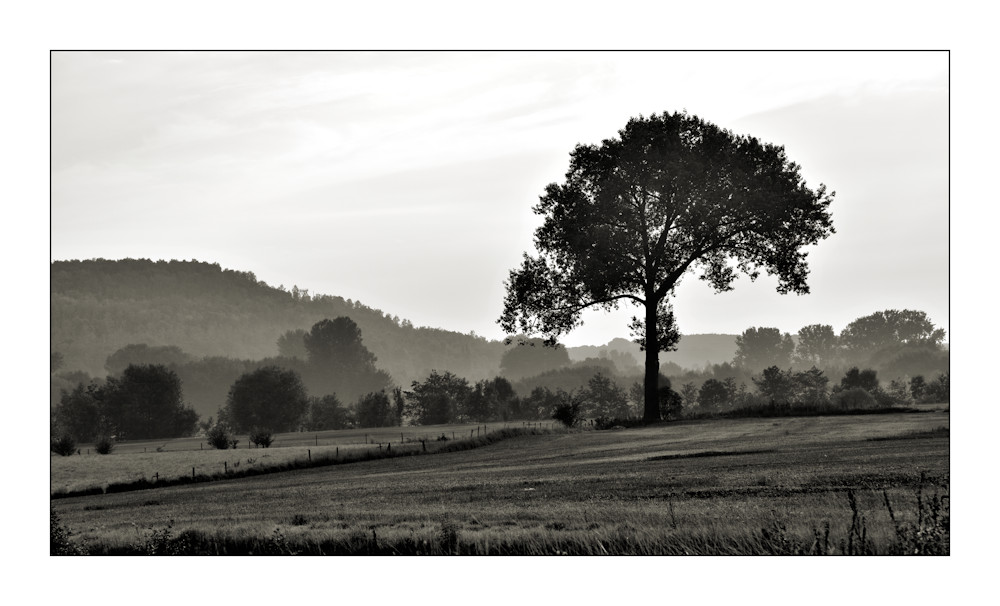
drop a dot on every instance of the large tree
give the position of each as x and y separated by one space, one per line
890 329
671 194
817 345
269 398
339 362
146 402
759 348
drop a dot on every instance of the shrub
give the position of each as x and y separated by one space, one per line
218 436
64 445
261 437
854 398
569 412
60 542
104 445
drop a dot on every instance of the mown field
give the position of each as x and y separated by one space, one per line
170 459
737 486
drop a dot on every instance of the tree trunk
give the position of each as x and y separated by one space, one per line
651 410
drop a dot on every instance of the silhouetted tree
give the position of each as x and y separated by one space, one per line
862 379
541 402
78 413
775 384
146 401
889 329
817 345
811 386
759 348
437 399
339 362
326 412
713 394
268 398
671 194
375 410
605 398
492 399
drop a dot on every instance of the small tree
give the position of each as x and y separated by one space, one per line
671 402
775 385
605 398
374 410
569 411
64 445
862 379
261 437
218 436
104 445
327 413
690 394
713 394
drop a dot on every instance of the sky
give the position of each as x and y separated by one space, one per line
405 180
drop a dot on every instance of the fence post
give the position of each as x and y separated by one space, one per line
389 447
192 473
338 452
309 454
201 446
317 439
225 466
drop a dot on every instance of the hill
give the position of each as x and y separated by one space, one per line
693 351
99 306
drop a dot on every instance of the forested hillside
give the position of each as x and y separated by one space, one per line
99 306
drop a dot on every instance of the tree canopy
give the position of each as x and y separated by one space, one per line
268 398
672 194
890 328
339 362
758 348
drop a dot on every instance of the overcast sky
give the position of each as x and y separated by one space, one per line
406 180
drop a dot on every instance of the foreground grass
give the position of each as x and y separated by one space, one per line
748 486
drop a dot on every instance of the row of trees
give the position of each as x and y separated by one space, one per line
898 342
145 402
857 389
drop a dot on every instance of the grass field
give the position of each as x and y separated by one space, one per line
790 485
170 459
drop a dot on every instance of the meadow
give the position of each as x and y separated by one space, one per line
838 484
164 460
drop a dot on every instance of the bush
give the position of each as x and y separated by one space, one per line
854 398
261 437
60 541
568 412
104 445
218 436
64 445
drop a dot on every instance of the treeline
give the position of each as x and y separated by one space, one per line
100 306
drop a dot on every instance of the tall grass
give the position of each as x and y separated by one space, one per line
920 530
